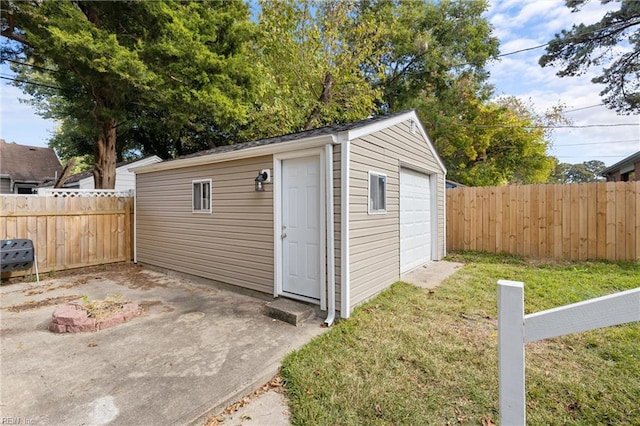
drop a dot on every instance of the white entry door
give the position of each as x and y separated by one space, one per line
415 219
301 255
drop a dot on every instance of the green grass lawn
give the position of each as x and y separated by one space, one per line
414 356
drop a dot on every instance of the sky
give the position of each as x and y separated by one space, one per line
522 24
518 24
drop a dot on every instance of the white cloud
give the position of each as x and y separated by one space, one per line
525 24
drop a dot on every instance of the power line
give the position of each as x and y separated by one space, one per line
573 37
526 49
568 126
580 109
31 82
597 143
582 156
30 65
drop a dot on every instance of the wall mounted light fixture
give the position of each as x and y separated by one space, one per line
262 178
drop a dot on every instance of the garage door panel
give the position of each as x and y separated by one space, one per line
415 219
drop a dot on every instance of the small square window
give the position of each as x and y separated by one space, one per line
201 190
377 193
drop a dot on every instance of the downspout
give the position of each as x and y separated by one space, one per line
345 308
444 216
331 268
135 221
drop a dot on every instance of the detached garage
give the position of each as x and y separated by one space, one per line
329 216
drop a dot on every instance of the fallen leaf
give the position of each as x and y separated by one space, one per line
212 422
487 421
378 409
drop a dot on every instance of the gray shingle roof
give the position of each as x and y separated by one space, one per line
629 160
28 163
321 131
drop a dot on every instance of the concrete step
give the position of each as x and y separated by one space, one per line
289 311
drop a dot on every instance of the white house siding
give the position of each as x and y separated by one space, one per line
233 245
5 186
336 219
375 238
125 178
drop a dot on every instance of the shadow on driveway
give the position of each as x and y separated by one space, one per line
194 349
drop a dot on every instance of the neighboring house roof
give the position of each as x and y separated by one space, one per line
452 184
32 164
366 126
630 160
89 173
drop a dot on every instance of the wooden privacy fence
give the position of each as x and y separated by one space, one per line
576 221
69 232
515 329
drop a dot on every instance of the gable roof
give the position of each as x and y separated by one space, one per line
632 159
321 131
314 136
23 163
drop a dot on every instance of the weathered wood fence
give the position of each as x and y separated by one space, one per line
515 329
576 221
69 232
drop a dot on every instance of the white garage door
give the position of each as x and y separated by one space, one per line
415 219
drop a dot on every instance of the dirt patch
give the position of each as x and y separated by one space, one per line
50 287
126 274
50 301
130 275
146 305
102 309
137 278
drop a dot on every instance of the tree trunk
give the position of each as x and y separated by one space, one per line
325 98
104 171
66 173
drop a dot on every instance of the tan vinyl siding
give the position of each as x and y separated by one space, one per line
233 244
372 270
375 238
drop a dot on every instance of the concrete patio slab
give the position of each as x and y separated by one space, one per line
194 349
432 274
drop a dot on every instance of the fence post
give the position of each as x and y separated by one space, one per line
511 352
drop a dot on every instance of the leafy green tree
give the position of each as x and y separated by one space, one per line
490 143
325 62
115 62
587 46
309 55
426 48
588 171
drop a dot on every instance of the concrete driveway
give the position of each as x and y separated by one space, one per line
194 349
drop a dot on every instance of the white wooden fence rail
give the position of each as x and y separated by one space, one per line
515 329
